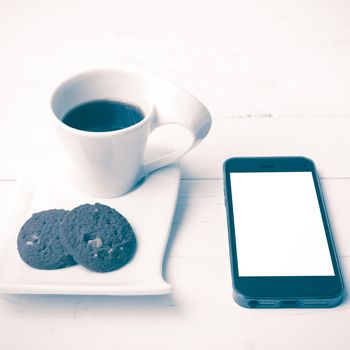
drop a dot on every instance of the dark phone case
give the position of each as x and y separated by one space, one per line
271 164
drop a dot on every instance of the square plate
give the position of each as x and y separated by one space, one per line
149 208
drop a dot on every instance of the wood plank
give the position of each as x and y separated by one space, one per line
280 58
325 140
200 314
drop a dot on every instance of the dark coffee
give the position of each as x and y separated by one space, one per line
103 115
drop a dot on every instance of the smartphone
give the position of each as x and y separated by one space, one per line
281 247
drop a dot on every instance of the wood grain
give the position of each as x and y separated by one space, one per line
275 75
323 139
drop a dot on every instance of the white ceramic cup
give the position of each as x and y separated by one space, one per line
108 164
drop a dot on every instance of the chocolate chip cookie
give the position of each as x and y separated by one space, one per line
98 237
38 242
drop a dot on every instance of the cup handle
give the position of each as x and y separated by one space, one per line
174 105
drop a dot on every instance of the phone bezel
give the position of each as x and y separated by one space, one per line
280 287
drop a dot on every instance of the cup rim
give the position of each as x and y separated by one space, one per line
100 134
127 69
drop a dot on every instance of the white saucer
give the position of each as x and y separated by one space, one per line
149 208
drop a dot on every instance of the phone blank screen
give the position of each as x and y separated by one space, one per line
278 225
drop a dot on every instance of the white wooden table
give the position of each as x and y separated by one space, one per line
275 76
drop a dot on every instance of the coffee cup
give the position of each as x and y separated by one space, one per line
108 162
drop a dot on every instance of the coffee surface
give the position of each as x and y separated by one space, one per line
103 115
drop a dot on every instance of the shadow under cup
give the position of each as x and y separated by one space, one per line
106 161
